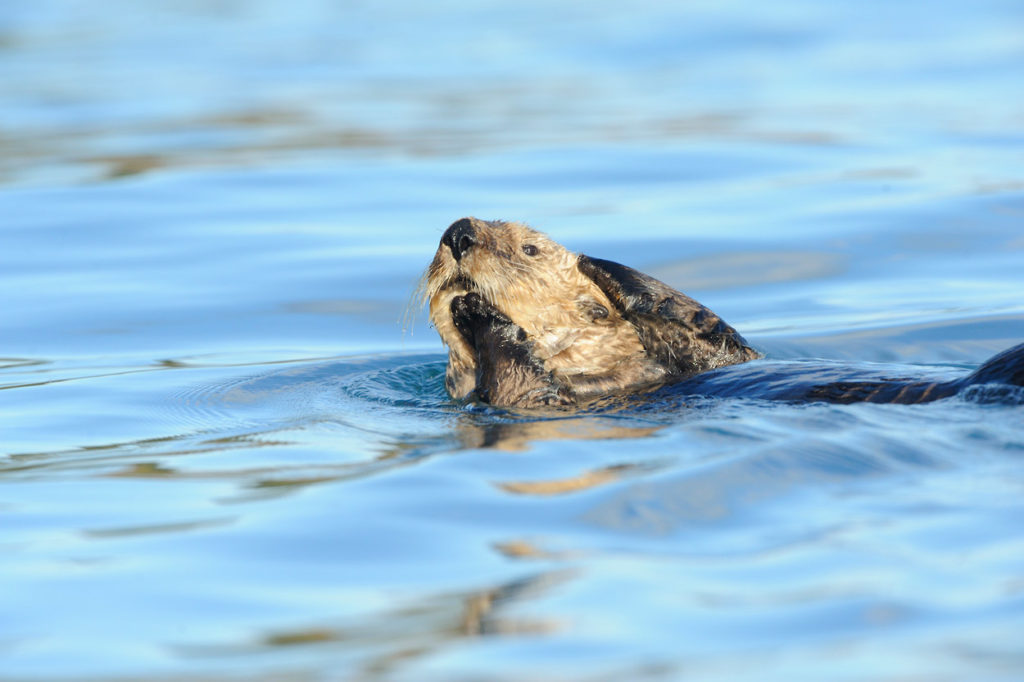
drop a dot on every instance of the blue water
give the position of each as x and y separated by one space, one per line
225 447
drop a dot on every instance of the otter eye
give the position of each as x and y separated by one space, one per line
530 250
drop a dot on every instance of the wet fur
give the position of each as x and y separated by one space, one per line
545 326
578 327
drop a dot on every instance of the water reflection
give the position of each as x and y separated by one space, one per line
262 137
475 432
411 631
521 550
583 481
16 363
299 407
149 529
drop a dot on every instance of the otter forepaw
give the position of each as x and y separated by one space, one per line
507 372
473 315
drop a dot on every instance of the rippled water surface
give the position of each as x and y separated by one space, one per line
225 447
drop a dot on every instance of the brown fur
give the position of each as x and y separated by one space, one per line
543 325
529 323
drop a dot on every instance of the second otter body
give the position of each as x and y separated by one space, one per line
529 323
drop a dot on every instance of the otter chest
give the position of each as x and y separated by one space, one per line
582 347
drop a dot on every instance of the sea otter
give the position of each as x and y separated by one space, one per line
529 323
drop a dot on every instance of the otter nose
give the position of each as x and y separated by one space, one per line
460 237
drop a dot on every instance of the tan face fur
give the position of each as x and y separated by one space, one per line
535 281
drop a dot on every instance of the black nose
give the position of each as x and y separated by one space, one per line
460 237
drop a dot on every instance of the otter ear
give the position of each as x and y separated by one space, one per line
679 332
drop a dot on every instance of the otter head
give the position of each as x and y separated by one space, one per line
570 326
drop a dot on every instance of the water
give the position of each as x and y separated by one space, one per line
227 454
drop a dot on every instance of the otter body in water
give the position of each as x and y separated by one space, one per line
529 323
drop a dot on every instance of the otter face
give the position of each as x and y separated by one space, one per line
506 263
571 326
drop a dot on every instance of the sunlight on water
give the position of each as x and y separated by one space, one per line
226 451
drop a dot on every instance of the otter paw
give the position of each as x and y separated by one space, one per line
472 315
463 315
473 304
